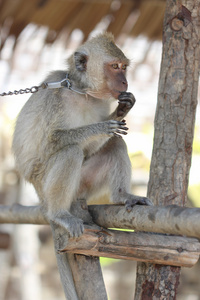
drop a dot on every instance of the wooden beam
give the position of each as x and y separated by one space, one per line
147 247
139 246
161 219
170 219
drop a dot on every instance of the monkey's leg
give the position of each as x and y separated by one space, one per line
120 176
60 188
109 171
63 263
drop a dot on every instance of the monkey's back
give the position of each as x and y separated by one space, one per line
33 126
28 134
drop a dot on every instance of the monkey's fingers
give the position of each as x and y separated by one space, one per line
123 127
126 96
127 103
117 127
123 122
121 132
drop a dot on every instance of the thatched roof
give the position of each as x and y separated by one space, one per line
129 17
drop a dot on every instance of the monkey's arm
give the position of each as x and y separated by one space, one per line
126 102
81 135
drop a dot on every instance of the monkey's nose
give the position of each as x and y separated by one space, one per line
125 84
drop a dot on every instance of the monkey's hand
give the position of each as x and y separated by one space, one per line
137 200
126 102
116 128
72 224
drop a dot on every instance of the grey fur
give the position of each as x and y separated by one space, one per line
66 145
69 146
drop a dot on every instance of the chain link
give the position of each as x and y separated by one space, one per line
32 90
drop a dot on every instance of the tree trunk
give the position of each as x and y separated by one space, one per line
174 127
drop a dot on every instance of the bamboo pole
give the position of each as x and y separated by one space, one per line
139 246
97 241
161 219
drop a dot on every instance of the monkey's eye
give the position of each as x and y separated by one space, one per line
115 66
124 67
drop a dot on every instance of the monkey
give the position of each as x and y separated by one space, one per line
68 144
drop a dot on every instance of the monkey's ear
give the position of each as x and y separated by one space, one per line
80 59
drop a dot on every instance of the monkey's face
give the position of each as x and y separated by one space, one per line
115 75
107 81
101 68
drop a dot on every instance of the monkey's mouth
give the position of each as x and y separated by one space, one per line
116 93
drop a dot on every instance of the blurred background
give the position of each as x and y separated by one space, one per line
36 37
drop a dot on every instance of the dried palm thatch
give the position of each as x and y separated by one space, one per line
128 17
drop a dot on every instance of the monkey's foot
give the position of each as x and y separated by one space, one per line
137 200
73 225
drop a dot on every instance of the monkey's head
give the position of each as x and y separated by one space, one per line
99 67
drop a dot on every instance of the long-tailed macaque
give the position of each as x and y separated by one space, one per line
68 145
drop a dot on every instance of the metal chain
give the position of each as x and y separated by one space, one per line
50 85
32 90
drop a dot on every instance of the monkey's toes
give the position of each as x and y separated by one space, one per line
129 204
76 228
73 225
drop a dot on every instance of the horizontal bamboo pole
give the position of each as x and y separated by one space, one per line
20 214
161 219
